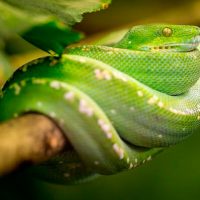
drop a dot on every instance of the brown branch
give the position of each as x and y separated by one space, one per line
32 138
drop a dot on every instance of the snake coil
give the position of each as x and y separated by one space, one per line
118 105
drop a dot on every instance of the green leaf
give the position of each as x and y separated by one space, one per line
33 19
19 15
52 36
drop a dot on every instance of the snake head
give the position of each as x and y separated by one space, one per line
161 37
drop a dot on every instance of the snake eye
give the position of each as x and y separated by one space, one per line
167 32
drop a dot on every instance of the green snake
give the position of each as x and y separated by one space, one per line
118 104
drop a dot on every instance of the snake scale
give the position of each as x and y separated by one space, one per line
118 104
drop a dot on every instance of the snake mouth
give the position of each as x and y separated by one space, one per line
185 46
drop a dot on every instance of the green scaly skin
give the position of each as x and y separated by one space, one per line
118 105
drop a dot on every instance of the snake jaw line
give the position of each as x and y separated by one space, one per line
187 46
182 47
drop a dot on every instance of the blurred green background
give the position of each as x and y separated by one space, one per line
173 174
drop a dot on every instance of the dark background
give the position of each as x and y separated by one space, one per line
173 174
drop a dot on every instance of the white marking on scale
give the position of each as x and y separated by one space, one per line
119 76
84 108
119 151
140 93
189 111
55 84
127 160
152 100
106 75
105 127
160 104
102 74
69 96
98 74
131 166
149 158
109 135
83 60
16 87
173 110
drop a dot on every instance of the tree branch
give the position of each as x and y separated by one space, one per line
32 138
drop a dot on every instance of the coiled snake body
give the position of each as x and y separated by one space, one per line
118 105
